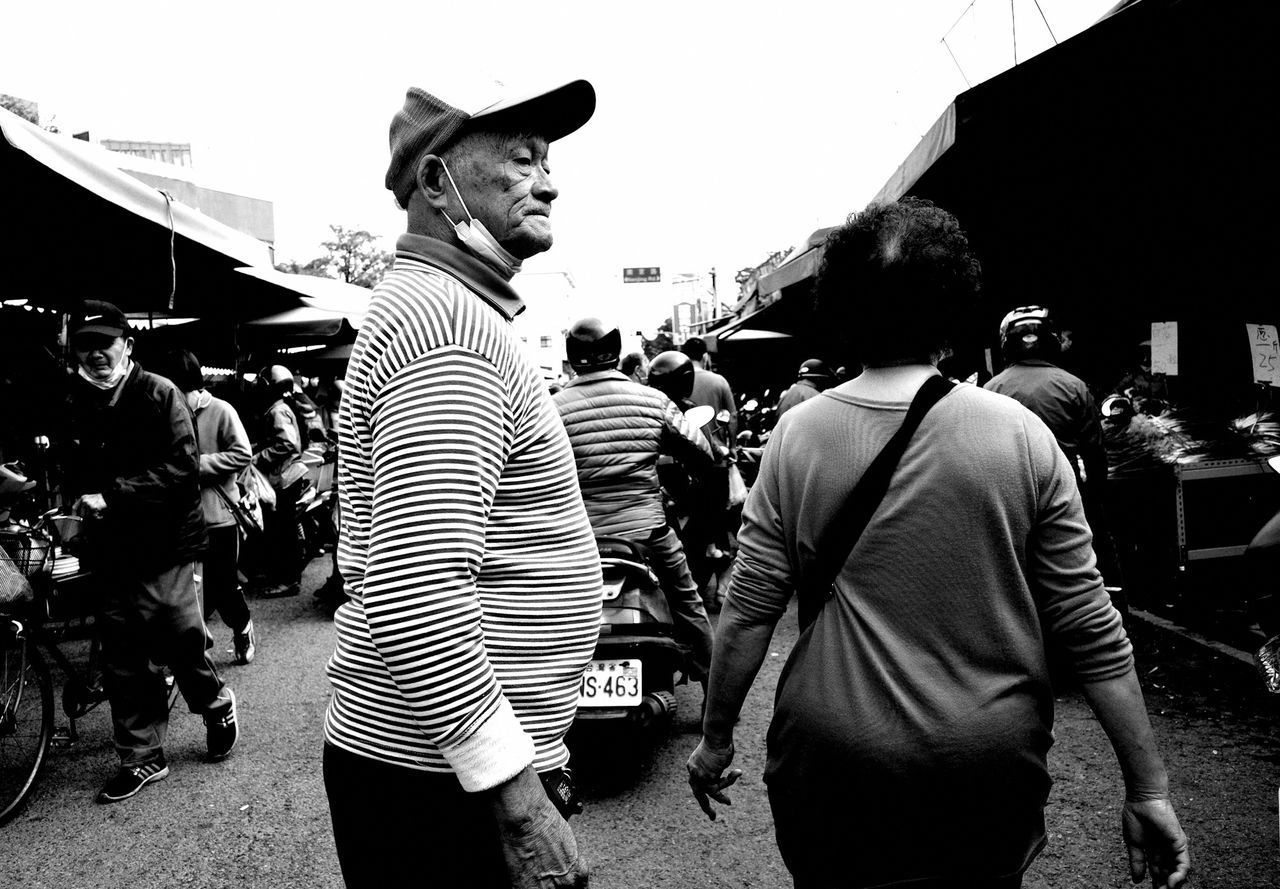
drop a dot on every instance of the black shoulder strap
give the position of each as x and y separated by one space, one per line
840 537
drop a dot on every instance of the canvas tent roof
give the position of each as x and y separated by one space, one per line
73 225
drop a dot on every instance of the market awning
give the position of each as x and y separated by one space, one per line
780 320
329 295
934 144
73 225
801 265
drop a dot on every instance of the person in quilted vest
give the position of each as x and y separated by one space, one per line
619 429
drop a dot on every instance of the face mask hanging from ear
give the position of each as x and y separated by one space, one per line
117 374
476 238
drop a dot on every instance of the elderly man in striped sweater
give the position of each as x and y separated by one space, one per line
473 576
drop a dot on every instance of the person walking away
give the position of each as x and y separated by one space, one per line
279 456
224 452
636 367
913 717
618 430
812 378
1031 345
134 470
474 577
713 390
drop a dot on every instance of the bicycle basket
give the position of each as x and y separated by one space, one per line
22 557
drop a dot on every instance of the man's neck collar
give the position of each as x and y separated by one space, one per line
479 276
595 375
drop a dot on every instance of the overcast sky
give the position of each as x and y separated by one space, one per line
723 131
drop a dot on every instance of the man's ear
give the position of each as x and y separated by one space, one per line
431 181
128 345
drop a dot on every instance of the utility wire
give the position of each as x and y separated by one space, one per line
1046 23
957 61
1013 18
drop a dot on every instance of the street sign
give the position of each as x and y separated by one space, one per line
644 275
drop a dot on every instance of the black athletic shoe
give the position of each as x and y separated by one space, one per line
130 779
243 643
221 731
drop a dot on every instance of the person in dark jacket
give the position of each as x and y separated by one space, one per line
812 378
618 429
1031 345
135 471
279 456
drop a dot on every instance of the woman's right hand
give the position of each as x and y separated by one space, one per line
707 765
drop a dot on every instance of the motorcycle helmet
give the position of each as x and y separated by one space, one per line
276 380
814 369
1028 332
671 373
591 347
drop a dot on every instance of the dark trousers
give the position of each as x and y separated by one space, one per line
222 591
282 549
1263 559
692 629
821 854
144 624
399 827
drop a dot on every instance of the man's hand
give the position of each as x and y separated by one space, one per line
706 765
1156 843
538 844
91 506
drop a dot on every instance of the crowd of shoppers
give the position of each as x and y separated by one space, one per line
936 534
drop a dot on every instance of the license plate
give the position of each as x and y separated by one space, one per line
610 684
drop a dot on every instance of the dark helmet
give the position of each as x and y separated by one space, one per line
1029 332
590 346
276 380
814 369
671 373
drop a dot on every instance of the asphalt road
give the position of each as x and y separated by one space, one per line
260 818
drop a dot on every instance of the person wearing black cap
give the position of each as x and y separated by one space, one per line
135 470
811 379
473 575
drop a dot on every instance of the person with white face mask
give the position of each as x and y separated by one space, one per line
135 472
472 573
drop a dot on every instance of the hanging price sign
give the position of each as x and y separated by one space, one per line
1264 348
1164 347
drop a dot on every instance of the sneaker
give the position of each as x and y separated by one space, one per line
221 731
244 644
281 590
130 779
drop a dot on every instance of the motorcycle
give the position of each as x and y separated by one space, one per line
316 522
632 676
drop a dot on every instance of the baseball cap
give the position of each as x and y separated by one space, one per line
99 316
427 124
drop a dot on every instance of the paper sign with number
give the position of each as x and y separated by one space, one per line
1164 347
1265 350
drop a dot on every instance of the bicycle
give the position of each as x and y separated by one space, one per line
30 627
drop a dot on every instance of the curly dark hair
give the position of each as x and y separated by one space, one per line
894 282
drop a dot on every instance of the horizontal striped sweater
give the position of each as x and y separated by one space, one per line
472 570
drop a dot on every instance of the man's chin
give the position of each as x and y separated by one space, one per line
525 244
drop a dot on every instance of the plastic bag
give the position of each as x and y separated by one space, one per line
254 483
14 586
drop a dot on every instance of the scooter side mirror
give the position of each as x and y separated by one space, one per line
701 415
751 405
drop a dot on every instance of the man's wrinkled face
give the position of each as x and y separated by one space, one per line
100 353
506 183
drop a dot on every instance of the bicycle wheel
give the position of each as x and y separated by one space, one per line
26 722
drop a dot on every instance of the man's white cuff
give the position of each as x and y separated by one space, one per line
493 753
